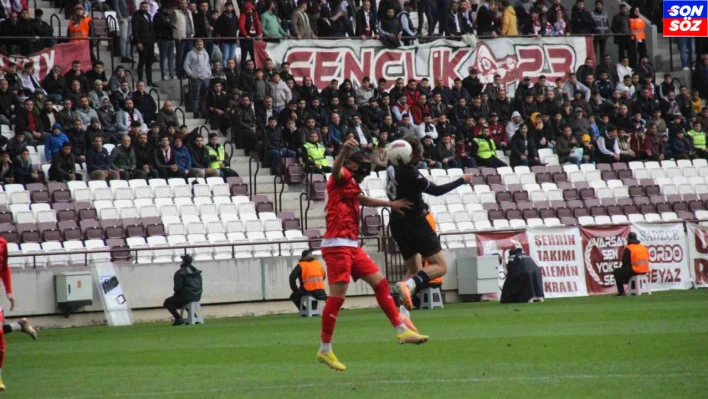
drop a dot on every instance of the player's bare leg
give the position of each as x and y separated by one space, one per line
437 267
337 294
382 290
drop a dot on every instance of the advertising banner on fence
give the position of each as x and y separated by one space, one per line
602 254
499 244
61 54
558 253
698 250
511 58
668 256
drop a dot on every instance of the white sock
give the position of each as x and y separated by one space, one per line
325 347
15 327
411 284
404 312
401 328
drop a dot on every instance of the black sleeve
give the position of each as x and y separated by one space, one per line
178 283
627 258
294 276
437 191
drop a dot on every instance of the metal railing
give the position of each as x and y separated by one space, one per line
184 117
118 254
253 177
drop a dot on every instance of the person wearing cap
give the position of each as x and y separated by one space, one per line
80 26
187 288
635 261
311 275
523 282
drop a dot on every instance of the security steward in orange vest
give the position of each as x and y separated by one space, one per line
635 261
437 283
311 275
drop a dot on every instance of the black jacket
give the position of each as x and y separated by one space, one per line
54 85
520 146
201 24
360 22
200 157
523 279
485 22
188 283
143 30
162 26
227 26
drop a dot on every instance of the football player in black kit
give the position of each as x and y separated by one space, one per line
412 232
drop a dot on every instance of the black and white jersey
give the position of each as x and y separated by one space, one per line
406 182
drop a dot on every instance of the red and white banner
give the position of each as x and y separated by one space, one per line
500 244
668 256
511 58
558 253
61 54
698 251
602 254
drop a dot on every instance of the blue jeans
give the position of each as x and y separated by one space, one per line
279 108
197 91
167 57
275 155
228 51
185 46
685 45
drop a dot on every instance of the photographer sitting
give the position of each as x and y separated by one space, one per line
187 287
311 275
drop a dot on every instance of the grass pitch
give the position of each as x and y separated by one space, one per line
592 347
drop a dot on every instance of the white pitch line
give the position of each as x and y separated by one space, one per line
388 382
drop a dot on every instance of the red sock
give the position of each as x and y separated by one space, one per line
2 348
383 297
329 317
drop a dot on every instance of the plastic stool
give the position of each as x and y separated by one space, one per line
194 313
309 306
639 285
431 298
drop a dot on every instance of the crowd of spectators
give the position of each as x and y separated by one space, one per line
602 113
74 113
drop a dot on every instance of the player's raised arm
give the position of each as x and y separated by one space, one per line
347 148
433 189
398 206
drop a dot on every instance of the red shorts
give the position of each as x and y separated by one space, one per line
345 263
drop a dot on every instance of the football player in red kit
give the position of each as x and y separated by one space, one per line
344 258
6 278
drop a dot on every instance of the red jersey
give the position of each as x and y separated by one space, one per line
5 275
342 207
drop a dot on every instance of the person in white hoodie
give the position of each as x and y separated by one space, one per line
197 67
427 128
513 125
282 95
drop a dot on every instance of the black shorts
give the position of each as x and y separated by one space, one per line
414 235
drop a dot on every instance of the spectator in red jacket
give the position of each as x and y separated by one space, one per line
420 109
250 27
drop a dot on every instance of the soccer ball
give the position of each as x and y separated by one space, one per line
400 153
